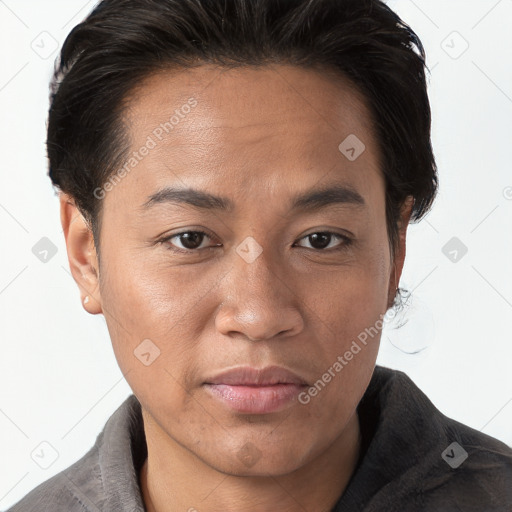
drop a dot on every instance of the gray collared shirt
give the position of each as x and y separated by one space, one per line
413 459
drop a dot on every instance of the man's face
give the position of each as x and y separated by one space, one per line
258 138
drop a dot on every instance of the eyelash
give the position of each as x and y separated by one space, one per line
347 241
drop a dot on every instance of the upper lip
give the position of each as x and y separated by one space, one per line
248 376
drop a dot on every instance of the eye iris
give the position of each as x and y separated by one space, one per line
319 240
191 240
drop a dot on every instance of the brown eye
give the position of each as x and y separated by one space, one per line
186 241
191 239
324 239
320 240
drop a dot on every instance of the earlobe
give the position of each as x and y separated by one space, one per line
82 256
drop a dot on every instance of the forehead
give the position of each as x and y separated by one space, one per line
272 95
268 128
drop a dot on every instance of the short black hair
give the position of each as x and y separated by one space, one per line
122 42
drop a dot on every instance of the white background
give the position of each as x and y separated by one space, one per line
59 379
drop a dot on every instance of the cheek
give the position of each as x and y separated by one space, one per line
155 316
348 344
149 296
352 292
347 309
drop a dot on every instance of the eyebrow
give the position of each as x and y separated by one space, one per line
310 201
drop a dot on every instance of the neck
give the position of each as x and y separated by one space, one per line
177 480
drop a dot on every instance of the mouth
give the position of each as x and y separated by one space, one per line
256 391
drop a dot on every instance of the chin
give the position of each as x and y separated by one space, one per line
256 460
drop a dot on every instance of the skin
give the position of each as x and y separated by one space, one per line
257 136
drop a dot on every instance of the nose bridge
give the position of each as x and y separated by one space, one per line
256 275
258 301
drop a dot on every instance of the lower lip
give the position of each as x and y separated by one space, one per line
255 399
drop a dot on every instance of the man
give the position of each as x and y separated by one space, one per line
236 183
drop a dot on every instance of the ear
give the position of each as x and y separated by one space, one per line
82 256
397 264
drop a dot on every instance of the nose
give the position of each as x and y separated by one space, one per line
258 301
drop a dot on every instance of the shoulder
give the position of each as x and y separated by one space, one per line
75 489
432 461
473 469
105 478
